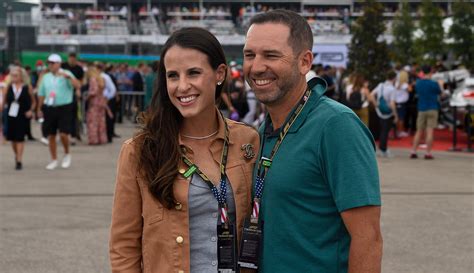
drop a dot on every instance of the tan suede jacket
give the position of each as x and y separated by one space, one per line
145 236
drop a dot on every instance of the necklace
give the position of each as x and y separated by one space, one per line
200 137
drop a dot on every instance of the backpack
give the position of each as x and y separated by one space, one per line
384 108
355 100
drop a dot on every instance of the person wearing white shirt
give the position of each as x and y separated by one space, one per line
385 90
110 92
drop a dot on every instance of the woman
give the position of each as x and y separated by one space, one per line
97 107
165 216
20 104
357 94
401 98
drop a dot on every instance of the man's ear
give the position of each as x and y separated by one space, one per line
305 61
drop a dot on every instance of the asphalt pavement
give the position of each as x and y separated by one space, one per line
58 221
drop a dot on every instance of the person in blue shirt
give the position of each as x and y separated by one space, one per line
428 92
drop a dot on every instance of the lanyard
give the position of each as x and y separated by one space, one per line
266 162
16 92
221 195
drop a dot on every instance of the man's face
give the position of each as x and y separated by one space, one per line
54 67
270 65
72 60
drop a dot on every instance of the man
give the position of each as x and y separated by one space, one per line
109 93
55 93
76 70
384 95
428 92
320 206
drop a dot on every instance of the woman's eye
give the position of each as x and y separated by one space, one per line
172 76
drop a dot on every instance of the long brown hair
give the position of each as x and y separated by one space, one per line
158 146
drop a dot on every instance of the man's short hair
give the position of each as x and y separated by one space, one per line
391 75
301 36
426 69
73 55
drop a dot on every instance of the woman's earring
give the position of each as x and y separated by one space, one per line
219 83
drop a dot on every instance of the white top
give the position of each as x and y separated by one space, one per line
387 90
401 95
109 90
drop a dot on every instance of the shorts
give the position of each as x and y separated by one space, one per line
401 111
58 118
427 120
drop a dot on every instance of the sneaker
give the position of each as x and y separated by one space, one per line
66 162
44 141
413 156
18 166
52 165
429 157
386 154
403 134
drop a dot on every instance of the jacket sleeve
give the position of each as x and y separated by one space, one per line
125 247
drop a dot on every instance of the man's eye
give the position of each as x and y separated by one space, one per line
249 56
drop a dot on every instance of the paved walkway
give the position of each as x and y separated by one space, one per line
58 221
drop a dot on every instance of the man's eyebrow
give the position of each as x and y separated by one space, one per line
271 51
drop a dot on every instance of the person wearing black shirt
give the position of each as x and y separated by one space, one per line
78 72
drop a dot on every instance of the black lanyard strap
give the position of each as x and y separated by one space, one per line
221 196
266 162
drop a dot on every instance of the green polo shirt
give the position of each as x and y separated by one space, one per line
325 165
61 86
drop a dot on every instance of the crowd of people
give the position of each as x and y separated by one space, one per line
71 98
70 85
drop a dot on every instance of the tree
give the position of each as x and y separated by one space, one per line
368 51
462 33
430 45
403 28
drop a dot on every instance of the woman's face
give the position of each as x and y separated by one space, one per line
191 81
15 76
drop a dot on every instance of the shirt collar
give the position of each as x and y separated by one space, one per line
318 86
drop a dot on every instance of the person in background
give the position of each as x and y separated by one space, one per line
383 98
28 72
138 82
325 74
55 93
124 84
20 104
78 72
150 79
113 104
402 95
357 97
3 109
428 92
97 107
110 93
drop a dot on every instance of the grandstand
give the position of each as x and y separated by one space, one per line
142 26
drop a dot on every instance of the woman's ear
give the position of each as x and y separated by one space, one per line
221 72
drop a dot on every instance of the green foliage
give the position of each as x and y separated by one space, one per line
462 33
368 51
430 46
403 27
